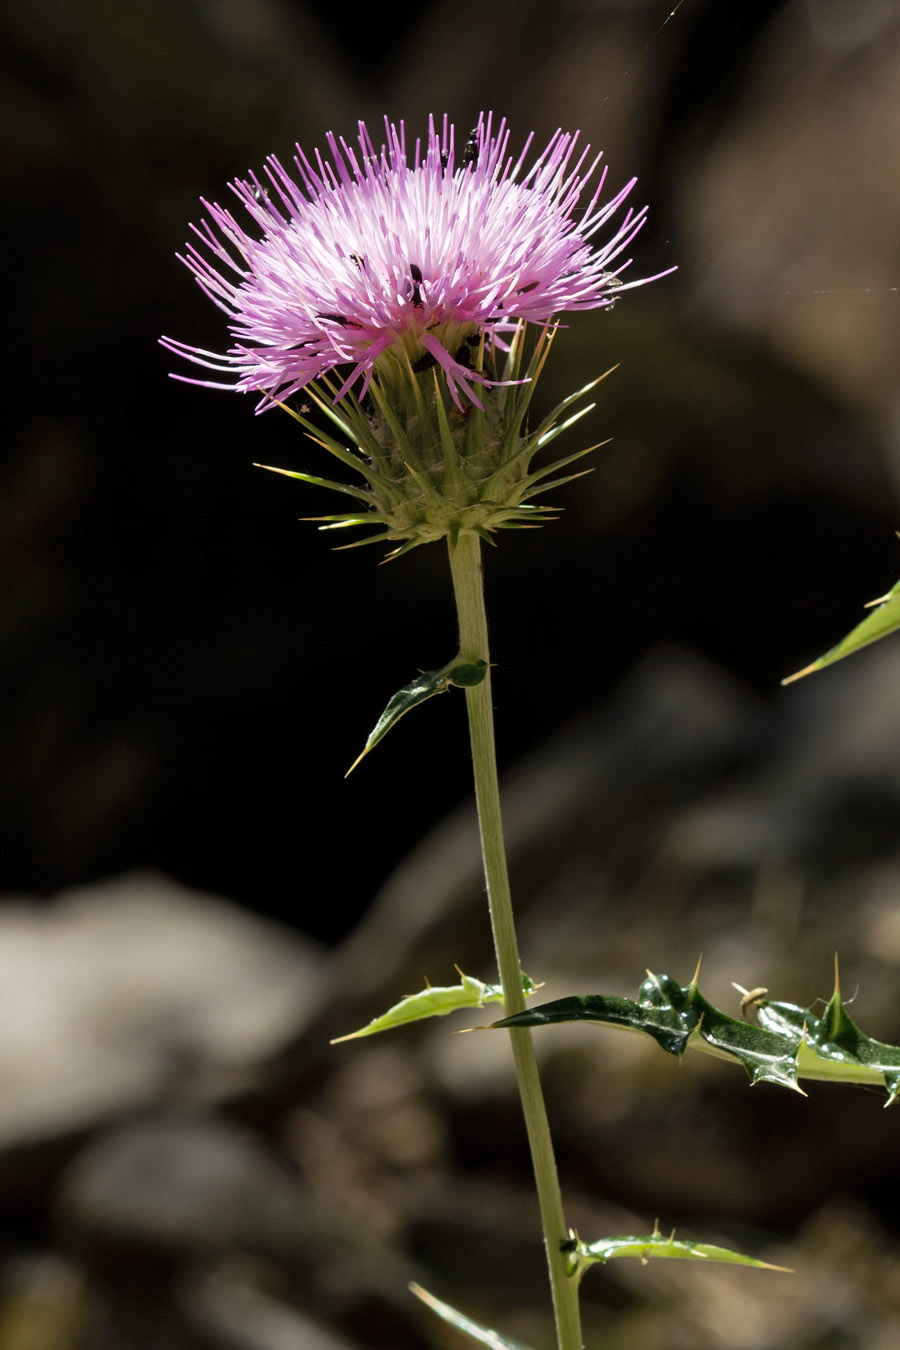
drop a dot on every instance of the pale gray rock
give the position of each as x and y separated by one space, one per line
120 995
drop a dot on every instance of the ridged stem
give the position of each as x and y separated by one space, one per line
465 566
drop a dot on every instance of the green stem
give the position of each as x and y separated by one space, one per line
465 566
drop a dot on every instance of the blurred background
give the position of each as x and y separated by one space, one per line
195 899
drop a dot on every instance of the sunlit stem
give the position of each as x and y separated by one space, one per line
465 565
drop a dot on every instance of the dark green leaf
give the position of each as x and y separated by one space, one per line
425 686
467 675
787 1041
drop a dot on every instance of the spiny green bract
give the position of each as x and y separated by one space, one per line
430 470
884 619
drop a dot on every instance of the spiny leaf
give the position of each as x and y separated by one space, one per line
436 1001
424 686
788 1042
883 620
474 1330
656 1244
835 1041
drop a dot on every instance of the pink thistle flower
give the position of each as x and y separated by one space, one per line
369 259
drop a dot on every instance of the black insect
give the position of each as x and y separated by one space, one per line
414 292
469 154
335 318
466 350
569 1244
360 262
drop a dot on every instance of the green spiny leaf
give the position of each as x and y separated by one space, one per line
788 1042
425 686
656 1244
883 620
474 1330
436 1001
833 1045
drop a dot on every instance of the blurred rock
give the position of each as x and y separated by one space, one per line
235 1315
43 1303
192 1188
124 994
787 161
167 1212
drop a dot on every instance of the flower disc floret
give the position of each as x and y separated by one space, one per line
370 258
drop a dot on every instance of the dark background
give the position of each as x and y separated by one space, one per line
186 670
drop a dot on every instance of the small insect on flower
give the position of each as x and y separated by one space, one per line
416 293
316 276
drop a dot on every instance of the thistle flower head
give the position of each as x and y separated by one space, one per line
374 259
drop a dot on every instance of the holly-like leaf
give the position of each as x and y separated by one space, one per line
474 1330
832 1046
787 1042
436 1001
883 620
426 685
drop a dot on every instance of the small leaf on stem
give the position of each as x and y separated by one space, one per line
425 686
657 1244
474 1330
436 1001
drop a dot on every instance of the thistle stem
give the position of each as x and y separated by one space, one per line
465 567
